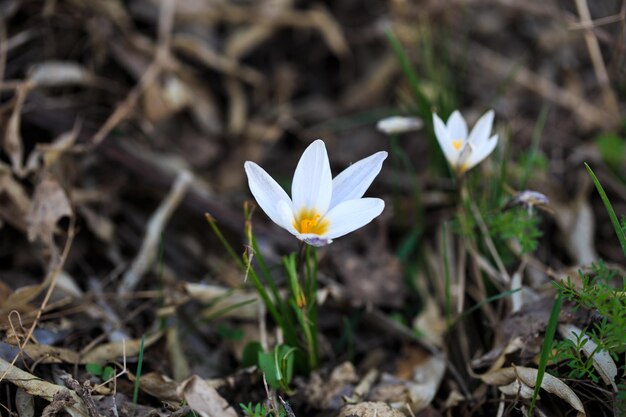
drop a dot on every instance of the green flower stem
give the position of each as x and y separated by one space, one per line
303 305
447 281
312 286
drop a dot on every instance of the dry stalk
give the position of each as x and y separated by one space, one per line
596 59
53 275
161 58
502 67
149 247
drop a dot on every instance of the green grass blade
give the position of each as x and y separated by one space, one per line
485 301
234 256
138 373
225 310
534 146
545 349
609 208
423 104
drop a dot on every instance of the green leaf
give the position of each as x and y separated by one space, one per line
609 208
250 354
94 369
612 149
278 366
108 373
229 333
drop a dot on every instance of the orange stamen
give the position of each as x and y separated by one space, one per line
310 222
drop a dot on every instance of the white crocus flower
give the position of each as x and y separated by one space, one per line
463 152
320 208
399 124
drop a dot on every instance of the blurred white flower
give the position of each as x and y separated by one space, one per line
463 152
321 208
399 124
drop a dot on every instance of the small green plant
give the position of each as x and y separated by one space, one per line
256 410
602 291
104 372
571 353
516 224
277 366
598 294
259 410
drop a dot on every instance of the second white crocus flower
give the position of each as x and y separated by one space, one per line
320 208
464 151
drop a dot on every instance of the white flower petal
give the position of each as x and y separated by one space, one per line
482 152
457 128
445 142
356 179
399 124
351 215
285 217
266 191
482 130
312 182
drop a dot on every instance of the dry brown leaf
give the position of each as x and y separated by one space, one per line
25 403
40 388
577 224
102 227
49 153
237 106
223 298
416 381
50 204
107 352
17 203
243 40
161 101
178 359
517 388
160 387
64 142
21 297
328 392
200 50
330 30
431 323
425 382
12 143
528 376
50 354
204 399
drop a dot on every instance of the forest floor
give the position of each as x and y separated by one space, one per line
134 260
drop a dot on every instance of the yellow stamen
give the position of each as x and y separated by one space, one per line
310 222
457 144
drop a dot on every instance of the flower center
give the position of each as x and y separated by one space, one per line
309 221
457 144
